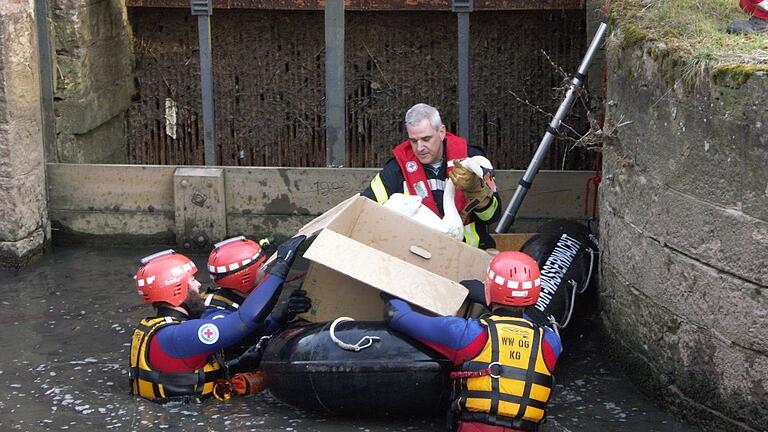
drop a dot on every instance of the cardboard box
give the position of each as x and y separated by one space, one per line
362 248
510 241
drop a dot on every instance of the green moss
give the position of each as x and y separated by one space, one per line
736 73
633 36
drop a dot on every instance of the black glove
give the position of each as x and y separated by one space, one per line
297 303
247 361
476 291
286 254
392 308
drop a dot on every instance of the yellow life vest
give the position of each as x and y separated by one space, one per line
166 387
220 299
510 384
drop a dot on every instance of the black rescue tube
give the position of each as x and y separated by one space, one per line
394 376
398 375
566 252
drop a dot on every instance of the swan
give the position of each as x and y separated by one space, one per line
451 223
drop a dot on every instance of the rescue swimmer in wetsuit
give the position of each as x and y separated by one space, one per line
421 165
235 267
173 354
505 362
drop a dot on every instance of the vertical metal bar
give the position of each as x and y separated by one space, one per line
46 81
463 51
203 9
335 112
206 81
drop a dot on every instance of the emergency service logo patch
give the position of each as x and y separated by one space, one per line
411 166
208 334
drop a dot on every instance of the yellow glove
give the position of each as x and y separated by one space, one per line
476 191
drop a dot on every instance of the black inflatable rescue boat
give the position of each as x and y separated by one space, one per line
397 375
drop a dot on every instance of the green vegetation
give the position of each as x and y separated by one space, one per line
693 31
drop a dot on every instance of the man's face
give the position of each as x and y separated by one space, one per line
426 141
194 303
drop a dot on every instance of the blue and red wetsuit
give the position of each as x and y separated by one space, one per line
184 348
459 340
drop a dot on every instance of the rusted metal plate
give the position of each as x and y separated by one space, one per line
269 91
370 5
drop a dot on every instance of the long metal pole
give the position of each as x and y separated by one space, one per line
204 9
335 110
527 180
46 81
463 9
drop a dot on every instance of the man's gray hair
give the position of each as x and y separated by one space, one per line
421 112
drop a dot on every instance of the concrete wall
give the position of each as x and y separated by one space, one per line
684 235
93 80
138 203
23 213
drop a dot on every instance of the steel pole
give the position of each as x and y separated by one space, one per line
527 180
335 101
46 81
463 9
204 9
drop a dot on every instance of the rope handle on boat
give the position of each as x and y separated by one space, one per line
574 290
362 344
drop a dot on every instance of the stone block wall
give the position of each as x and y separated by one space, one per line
24 226
684 235
93 75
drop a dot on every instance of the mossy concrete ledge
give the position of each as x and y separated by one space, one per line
684 233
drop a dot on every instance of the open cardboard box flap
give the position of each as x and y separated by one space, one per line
362 248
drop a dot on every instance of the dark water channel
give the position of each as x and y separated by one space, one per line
66 327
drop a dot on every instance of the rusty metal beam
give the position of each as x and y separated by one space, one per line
370 5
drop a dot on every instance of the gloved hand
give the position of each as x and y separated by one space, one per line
247 361
297 303
393 308
476 191
476 290
286 254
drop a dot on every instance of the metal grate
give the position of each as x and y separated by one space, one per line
269 84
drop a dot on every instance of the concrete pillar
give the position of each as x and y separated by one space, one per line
24 226
94 80
684 234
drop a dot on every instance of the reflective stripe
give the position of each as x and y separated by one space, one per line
379 190
405 189
470 235
436 184
488 213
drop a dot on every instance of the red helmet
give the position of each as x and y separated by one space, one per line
513 279
233 263
164 277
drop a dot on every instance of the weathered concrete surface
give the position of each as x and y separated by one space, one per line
201 215
129 203
23 211
684 237
94 80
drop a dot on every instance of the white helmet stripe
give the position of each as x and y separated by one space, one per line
233 266
527 285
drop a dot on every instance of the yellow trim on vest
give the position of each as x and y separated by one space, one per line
488 213
515 344
471 237
143 381
379 190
